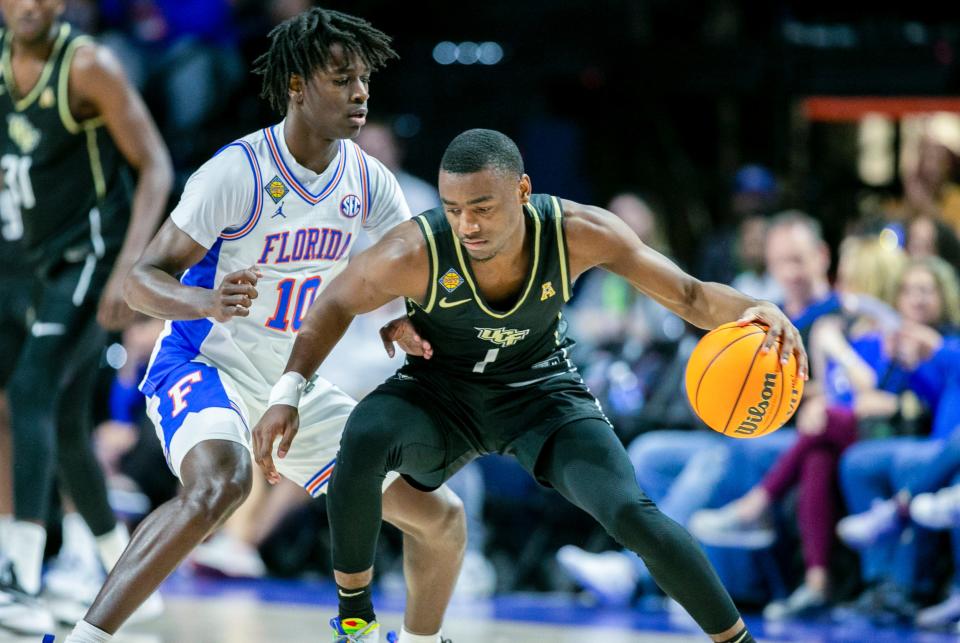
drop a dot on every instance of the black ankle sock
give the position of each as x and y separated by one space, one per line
356 603
743 636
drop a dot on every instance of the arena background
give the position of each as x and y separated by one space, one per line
711 111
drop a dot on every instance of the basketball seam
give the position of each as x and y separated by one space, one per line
742 386
696 395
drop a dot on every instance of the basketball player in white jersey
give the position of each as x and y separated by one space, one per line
260 229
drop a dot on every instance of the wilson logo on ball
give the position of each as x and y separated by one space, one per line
755 414
737 388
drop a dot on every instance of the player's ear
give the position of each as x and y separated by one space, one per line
526 189
295 88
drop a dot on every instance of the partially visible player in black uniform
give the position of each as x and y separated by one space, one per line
15 286
72 129
486 276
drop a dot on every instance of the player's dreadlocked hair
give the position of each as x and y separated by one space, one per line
301 45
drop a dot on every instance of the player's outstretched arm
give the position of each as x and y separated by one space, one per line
397 266
101 89
153 288
596 237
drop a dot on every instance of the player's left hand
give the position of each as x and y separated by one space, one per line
280 421
401 331
112 312
778 327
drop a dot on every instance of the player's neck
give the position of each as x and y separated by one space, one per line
308 148
39 49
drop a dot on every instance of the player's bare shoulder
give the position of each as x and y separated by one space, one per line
94 70
399 262
594 236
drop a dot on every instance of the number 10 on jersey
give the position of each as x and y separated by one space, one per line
280 320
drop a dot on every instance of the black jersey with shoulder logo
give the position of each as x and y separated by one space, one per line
64 182
472 339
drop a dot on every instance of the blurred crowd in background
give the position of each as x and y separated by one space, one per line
851 225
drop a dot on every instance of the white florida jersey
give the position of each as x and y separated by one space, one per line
253 204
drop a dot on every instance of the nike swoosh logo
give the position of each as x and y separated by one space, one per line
349 594
450 304
43 329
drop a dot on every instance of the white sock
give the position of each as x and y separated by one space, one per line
111 545
78 540
407 637
86 633
24 546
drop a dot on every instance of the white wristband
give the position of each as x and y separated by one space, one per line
287 390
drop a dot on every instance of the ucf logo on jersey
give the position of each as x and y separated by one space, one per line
23 133
502 336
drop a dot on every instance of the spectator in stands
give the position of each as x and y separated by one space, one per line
928 236
182 53
378 139
879 478
754 195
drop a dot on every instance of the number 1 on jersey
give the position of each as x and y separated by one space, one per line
489 359
280 320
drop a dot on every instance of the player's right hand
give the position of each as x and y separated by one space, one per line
235 295
280 421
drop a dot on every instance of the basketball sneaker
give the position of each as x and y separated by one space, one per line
865 529
610 576
940 510
802 602
226 555
942 615
357 630
21 612
72 583
725 527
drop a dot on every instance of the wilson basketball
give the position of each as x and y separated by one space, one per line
737 389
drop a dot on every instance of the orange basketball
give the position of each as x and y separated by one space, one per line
738 390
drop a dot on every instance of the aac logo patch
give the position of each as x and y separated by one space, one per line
547 291
451 280
502 336
350 206
276 188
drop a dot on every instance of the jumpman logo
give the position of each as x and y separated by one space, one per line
279 212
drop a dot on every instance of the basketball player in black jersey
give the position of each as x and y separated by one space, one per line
485 277
71 130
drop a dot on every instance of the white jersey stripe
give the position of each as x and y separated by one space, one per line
257 195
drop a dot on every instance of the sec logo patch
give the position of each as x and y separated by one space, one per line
350 206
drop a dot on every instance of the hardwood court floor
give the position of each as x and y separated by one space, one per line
246 620
275 611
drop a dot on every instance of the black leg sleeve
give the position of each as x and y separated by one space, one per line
79 472
586 463
384 433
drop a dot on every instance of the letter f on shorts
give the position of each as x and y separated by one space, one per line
179 391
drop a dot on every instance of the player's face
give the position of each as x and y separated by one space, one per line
485 209
30 21
796 261
334 101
